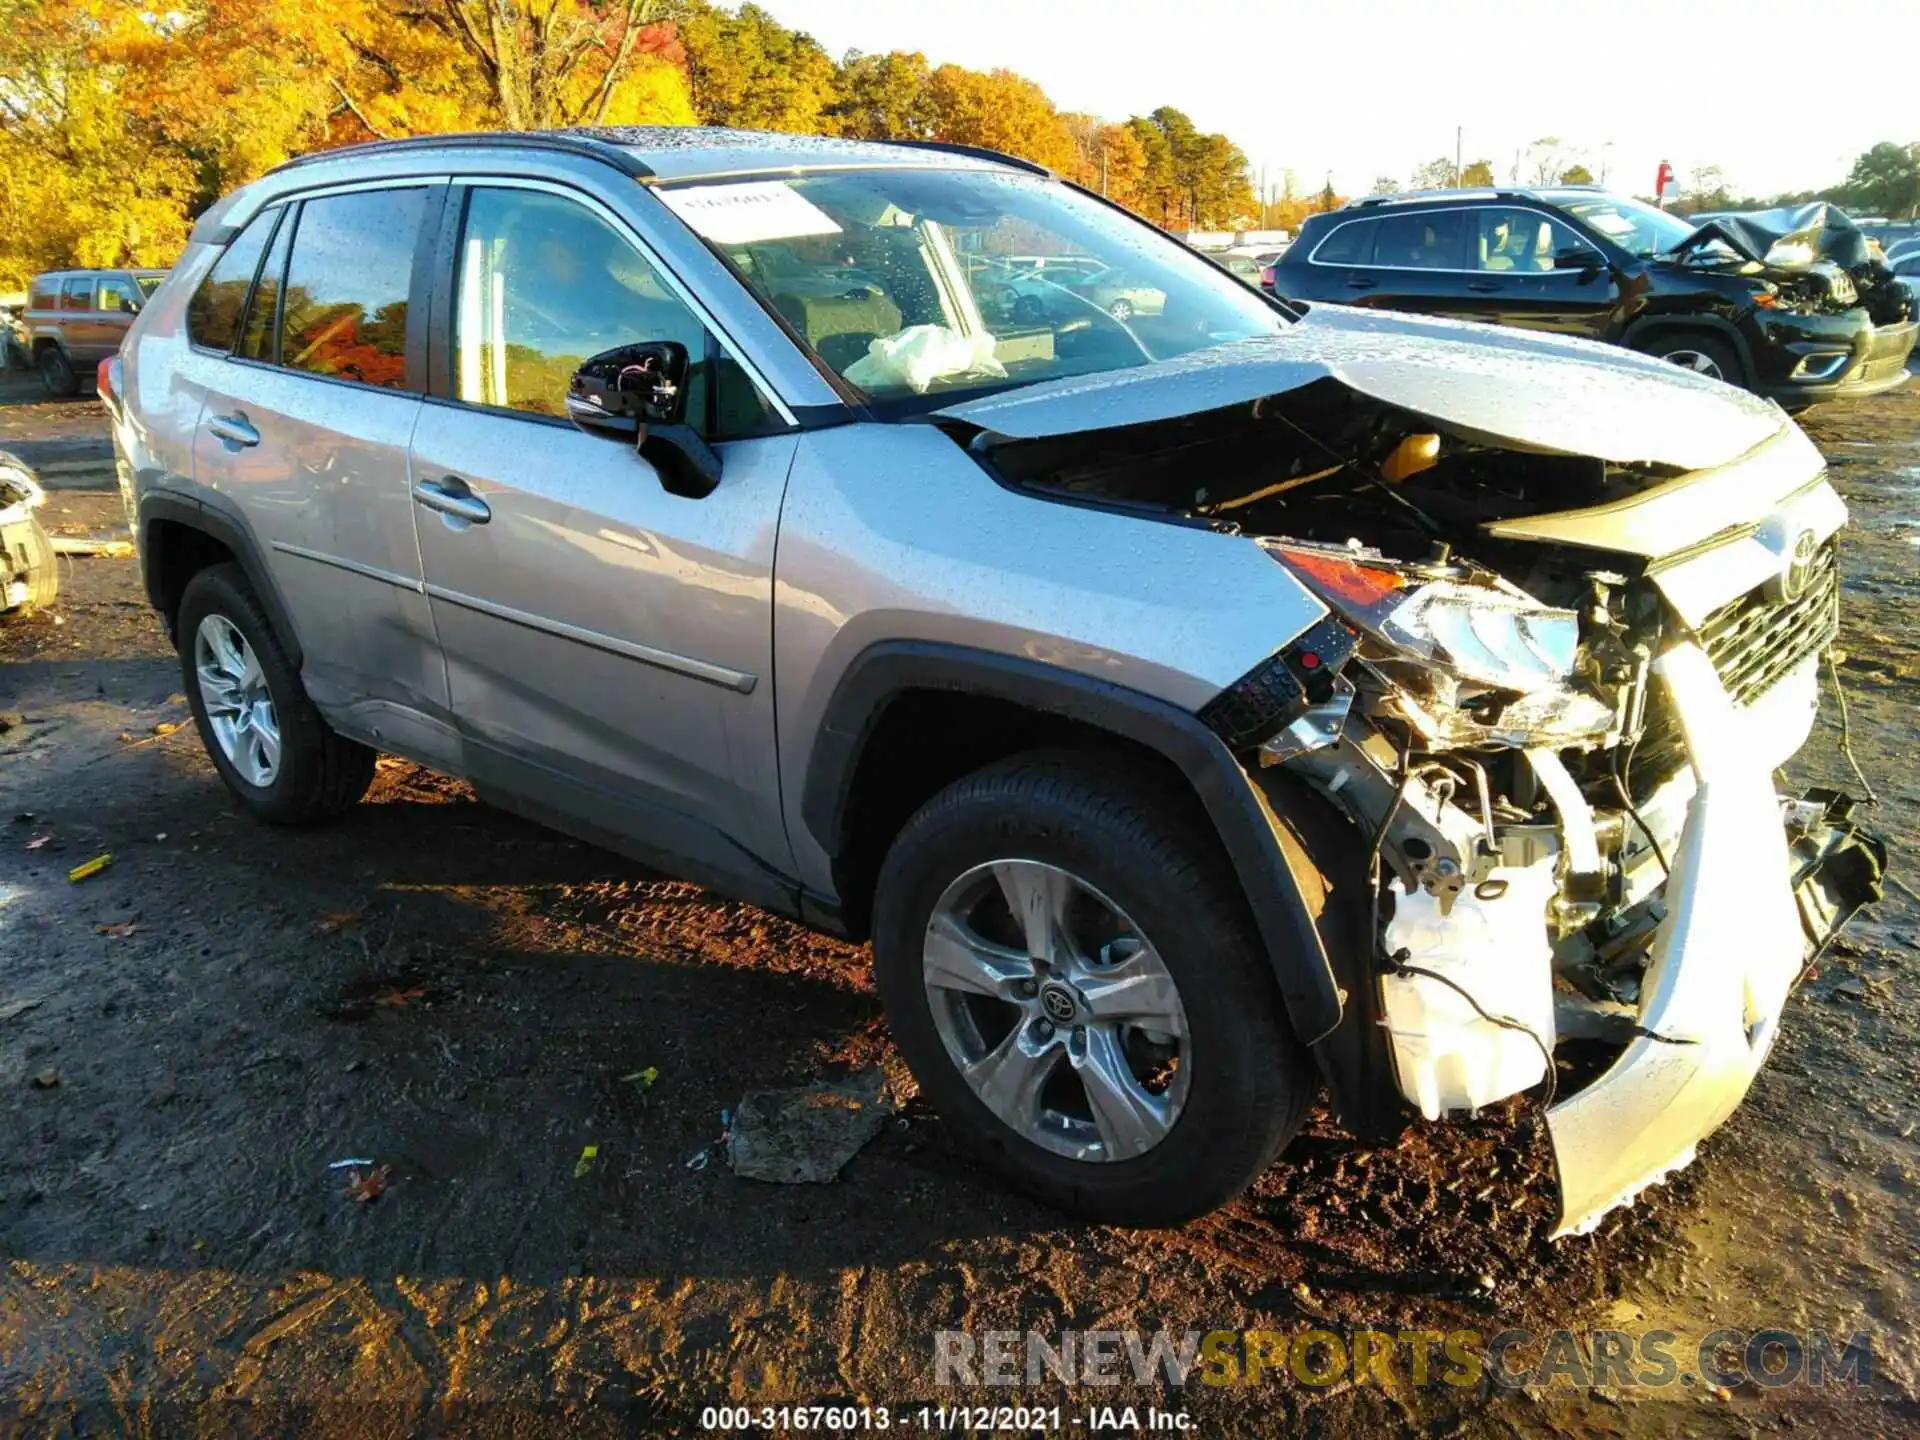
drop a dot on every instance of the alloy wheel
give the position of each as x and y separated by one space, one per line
1121 310
1056 1010
238 704
1696 361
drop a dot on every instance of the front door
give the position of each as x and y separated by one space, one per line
608 643
305 423
1539 273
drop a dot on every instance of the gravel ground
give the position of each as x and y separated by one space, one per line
190 1038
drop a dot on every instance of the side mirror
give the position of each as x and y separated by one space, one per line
1580 259
640 391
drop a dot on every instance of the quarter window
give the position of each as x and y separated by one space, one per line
46 295
213 315
1349 244
544 284
1508 239
344 313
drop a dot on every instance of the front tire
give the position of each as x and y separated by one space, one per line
57 374
1078 987
279 758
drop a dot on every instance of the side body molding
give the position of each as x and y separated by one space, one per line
1238 811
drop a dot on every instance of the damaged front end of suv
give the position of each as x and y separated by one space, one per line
1575 608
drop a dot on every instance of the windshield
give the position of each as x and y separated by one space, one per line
1635 227
923 282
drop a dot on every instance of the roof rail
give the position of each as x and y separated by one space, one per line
978 152
560 140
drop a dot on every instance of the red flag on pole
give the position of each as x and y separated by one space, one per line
1662 181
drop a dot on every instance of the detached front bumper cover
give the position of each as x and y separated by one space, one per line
1752 898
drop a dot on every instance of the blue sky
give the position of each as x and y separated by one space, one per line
1781 93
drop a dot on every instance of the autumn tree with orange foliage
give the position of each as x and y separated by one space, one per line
119 123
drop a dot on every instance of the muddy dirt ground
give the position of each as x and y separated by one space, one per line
190 1038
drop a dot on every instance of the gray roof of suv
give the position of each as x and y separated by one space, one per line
684 152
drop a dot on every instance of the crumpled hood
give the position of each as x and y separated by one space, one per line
1804 233
1510 387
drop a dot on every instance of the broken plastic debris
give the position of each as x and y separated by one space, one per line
40 842
87 869
806 1136
46 1080
588 1154
347 1164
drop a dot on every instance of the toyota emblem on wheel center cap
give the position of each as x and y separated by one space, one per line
1058 1002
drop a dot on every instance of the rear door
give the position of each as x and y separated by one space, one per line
82 325
1419 262
305 425
608 643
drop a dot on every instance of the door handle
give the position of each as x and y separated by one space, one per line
1360 282
452 497
1485 287
234 429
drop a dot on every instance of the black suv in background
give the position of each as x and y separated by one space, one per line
1781 319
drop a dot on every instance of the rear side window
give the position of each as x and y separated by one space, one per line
213 315
1349 244
344 313
78 294
1422 240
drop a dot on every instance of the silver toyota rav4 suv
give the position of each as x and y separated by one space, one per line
1197 707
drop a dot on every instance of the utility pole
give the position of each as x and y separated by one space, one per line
1103 165
1457 131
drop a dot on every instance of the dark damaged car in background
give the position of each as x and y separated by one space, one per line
1792 304
1196 707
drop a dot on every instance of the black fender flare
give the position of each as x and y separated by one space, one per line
220 519
1248 829
1647 327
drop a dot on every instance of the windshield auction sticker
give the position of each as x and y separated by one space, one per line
748 213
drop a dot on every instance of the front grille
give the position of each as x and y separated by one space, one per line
1756 640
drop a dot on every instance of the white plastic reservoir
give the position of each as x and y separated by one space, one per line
1447 1057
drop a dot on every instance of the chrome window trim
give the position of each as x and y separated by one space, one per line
1375 218
483 180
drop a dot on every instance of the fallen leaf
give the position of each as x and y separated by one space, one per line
126 737
364 1189
401 997
87 869
588 1154
338 920
166 727
118 929
40 842
643 1078
46 1080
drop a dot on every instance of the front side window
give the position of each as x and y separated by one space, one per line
78 294
1509 238
1423 240
544 284
213 314
344 313
117 296
931 282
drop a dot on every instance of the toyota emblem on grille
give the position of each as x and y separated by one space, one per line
1798 567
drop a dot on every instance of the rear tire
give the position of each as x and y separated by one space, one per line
243 690
1137 847
1703 354
57 374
